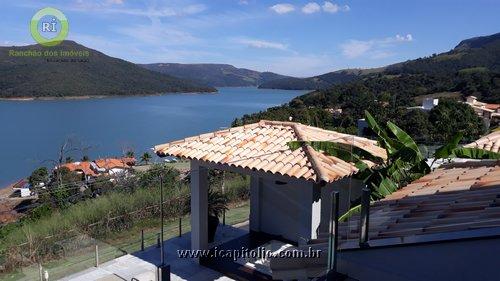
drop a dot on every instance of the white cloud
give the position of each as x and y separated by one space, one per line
374 48
108 7
283 8
310 64
333 8
8 43
115 2
194 9
355 48
311 8
261 44
407 38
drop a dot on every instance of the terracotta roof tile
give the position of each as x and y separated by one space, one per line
456 197
83 166
489 142
110 163
263 146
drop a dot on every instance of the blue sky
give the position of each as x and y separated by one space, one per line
300 38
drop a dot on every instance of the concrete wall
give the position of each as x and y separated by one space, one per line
290 209
461 260
296 210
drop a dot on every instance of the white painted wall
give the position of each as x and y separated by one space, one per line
290 210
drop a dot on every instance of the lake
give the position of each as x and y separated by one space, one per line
32 132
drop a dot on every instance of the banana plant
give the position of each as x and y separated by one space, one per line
404 164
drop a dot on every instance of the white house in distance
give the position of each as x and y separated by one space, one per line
290 190
487 111
427 104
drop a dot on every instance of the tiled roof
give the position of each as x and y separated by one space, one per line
492 106
458 197
110 163
83 166
263 146
489 142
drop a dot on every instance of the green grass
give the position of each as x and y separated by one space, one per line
116 245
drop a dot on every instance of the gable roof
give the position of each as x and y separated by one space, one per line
110 163
458 197
489 142
83 166
263 146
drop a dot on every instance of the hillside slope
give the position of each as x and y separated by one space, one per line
319 82
478 52
94 75
471 68
216 75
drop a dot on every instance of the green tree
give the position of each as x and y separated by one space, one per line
146 157
450 117
39 176
151 177
130 153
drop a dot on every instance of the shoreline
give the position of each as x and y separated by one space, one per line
87 97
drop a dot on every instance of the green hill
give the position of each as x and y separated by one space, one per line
471 68
216 75
483 52
319 82
90 74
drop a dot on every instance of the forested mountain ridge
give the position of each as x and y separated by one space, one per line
471 68
27 72
215 75
319 82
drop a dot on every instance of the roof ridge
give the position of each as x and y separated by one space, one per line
321 173
282 123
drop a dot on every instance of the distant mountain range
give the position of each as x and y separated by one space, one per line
481 51
478 52
37 76
318 82
216 75
101 75
470 68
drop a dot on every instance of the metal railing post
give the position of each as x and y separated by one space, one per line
333 232
162 254
180 226
180 211
96 255
40 271
157 240
364 218
142 239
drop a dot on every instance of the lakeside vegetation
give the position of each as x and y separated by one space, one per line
124 205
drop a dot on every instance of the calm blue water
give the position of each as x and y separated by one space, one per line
31 132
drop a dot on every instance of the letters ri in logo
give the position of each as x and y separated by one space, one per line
49 27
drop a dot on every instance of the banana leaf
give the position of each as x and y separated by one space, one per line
386 187
446 151
344 151
475 153
383 137
405 139
352 211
